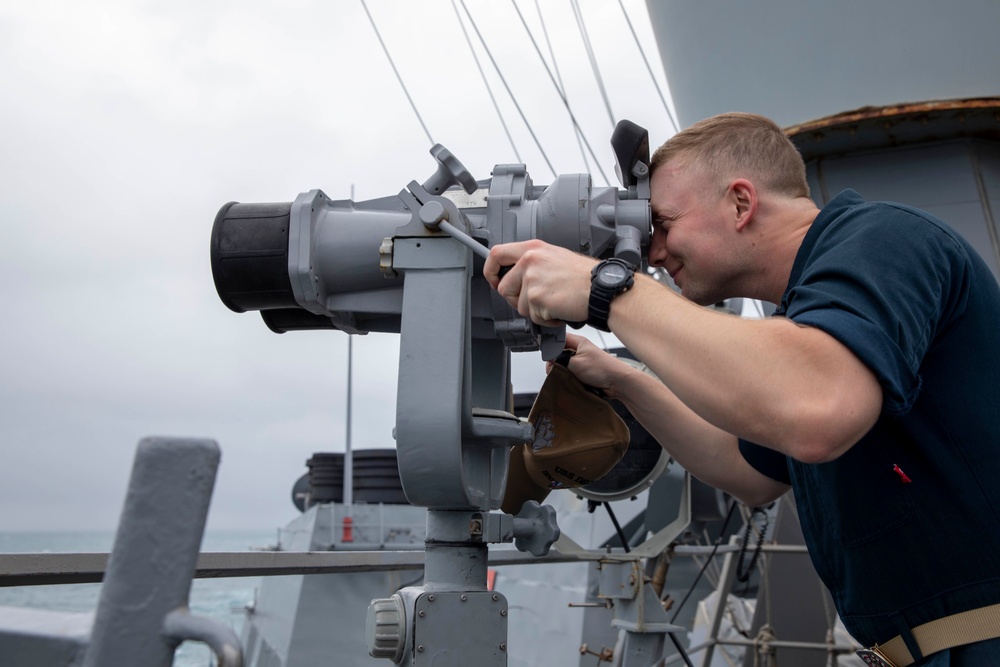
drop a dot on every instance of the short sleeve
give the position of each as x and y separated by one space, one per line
881 282
766 461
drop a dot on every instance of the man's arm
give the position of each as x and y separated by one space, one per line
707 452
790 388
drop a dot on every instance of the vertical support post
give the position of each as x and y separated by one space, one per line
726 578
435 376
155 552
348 448
348 451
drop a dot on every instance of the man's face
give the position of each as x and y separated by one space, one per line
690 239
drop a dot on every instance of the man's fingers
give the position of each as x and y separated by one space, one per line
501 260
573 341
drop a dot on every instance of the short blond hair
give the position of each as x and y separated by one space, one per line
739 145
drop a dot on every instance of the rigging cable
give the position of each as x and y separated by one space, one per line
509 92
593 60
652 76
396 71
680 649
559 88
618 528
715 548
485 82
743 576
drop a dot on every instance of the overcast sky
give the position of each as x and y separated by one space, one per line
126 125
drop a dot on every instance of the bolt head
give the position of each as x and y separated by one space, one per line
432 213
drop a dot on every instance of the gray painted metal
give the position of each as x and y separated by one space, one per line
141 614
44 569
651 547
726 578
452 447
796 606
153 559
307 619
457 629
456 336
181 625
535 528
288 625
795 61
30 637
957 180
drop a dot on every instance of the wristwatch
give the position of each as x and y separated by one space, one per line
608 279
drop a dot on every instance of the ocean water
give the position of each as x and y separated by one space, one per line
221 599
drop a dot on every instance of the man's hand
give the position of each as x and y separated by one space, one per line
546 283
595 367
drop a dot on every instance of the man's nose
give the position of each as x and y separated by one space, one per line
657 250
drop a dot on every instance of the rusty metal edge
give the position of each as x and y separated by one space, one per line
892 112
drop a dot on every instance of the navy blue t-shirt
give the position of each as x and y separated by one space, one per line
905 526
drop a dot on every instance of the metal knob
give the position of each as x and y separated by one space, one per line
535 528
385 631
450 172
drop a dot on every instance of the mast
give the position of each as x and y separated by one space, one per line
348 454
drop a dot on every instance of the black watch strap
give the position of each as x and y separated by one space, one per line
599 308
601 295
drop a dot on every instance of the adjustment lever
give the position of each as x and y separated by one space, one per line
435 216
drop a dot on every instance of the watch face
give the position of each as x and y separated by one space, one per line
612 274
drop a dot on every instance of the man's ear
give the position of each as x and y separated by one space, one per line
743 196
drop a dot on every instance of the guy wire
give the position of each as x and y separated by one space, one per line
558 86
509 91
396 71
485 82
652 76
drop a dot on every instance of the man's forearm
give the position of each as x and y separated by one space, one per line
791 388
707 452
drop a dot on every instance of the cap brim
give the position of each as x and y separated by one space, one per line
520 487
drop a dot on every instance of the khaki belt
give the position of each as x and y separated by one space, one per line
967 627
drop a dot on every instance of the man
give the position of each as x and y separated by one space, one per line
874 392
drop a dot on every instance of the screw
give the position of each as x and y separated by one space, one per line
430 598
495 597
421 613
503 647
420 648
464 598
503 612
